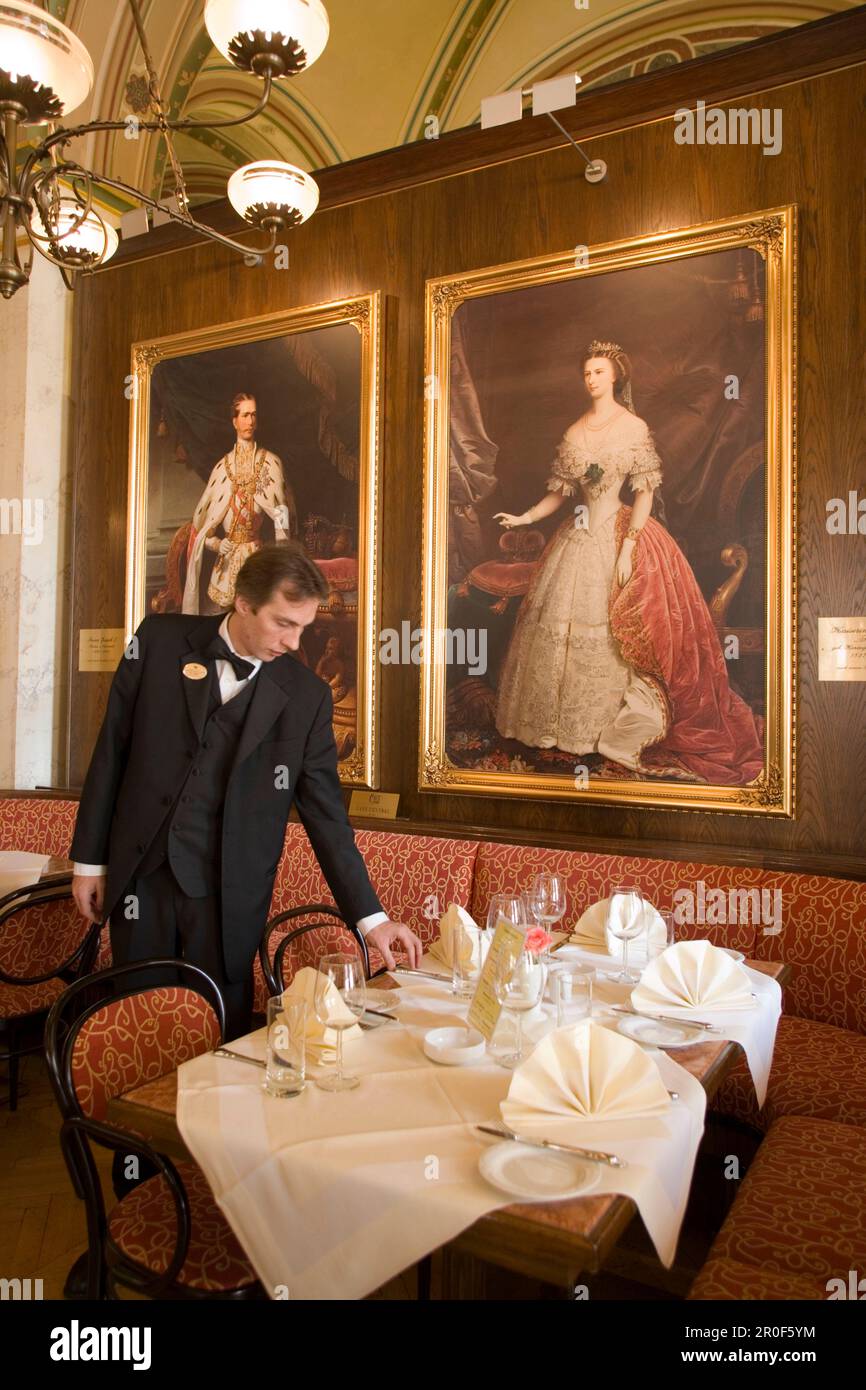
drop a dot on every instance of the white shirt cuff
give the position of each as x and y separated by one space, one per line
367 924
90 870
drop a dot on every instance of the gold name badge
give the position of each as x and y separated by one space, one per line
194 672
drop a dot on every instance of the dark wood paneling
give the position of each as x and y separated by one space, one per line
524 207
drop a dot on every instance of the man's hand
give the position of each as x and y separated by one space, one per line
387 933
89 892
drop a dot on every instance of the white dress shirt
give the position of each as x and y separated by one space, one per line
230 684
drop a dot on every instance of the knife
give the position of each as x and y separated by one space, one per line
428 974
238 1056
593 1155
666 1018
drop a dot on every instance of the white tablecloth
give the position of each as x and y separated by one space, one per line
19 868
332 1194
754 1029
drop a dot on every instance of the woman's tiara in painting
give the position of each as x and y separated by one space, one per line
601 349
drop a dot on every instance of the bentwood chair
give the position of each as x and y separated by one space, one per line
44 944
328 919
107 1034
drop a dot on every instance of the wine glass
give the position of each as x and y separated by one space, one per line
346 974
511 906
518 984
627 917
546 902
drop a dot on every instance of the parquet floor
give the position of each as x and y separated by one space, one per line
42 1225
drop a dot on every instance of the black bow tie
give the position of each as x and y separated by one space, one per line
220 649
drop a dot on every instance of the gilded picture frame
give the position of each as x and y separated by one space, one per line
692 308
313 376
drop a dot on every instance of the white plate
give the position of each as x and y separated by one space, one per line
455 1047
653 1033
537 1174
729 951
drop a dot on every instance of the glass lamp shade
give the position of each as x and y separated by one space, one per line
92 243
291 32
270 192
42 63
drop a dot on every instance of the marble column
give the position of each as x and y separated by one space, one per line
35 516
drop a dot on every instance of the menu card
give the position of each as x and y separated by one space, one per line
485 1008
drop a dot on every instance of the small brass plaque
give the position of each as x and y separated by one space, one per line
100 648
842 649
381 805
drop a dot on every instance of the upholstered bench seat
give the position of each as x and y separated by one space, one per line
799 1219
818 1070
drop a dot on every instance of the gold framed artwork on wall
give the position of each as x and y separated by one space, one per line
260 430
609 523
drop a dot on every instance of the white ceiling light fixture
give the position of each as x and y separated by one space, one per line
44 67
67 235
269 189
292 32
46 71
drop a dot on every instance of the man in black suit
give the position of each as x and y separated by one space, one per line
212 731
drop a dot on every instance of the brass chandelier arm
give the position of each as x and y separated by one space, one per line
185 219
184 123
32 194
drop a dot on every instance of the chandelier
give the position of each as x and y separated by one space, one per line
45 71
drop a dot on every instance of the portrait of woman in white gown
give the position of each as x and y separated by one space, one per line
614 650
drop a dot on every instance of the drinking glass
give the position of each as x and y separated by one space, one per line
572 995
511 906
654 945
546 901
468 953
626 919
287 1028
518 984
346 974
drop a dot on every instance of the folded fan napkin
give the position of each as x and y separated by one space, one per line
321 1041
693 975
584 1072
592 930
457 925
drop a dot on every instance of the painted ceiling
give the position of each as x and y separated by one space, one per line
389 66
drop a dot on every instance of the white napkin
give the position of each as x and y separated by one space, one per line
583 1072
591 930
457 925
321 1041
693 975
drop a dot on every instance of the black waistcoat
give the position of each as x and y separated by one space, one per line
190 837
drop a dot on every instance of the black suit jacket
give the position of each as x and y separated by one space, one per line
152 728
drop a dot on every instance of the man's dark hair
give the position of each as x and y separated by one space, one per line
238 399
282 566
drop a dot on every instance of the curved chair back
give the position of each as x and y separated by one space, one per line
43 935
272 957
107 1034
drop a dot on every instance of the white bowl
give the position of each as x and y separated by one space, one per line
456 1046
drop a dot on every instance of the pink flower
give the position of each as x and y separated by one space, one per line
536 940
